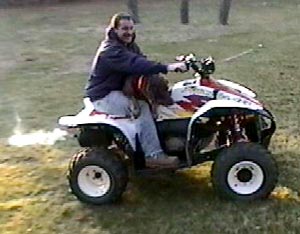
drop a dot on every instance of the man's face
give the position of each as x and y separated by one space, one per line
125 30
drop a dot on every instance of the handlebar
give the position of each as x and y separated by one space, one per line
207 65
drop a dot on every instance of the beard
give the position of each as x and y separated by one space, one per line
127 39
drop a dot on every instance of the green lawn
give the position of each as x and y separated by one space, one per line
45 54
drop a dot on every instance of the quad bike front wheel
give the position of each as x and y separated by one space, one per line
97 176
244 171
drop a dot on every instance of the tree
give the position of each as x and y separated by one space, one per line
184 11
224 11
133 10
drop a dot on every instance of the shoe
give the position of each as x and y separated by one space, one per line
162 162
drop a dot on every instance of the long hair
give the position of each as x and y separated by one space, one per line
115 20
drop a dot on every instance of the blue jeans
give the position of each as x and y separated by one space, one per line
116 103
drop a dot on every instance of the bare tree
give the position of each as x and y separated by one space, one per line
134 10
184 11
224 11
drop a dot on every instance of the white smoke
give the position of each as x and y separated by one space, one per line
18 128
39 137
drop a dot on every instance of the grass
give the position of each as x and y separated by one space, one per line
45 53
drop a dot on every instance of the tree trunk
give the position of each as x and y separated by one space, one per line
184 11
133 10
224 11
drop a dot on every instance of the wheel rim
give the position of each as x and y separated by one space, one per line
245 177
94 181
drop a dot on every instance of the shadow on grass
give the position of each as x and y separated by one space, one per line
170 188
182 202
155 202
186 202
178 203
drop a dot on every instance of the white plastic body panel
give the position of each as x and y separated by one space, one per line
127 126
223 104
239 87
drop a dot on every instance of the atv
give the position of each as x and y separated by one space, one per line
210 120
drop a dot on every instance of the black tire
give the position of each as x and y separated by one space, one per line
244 172
92 166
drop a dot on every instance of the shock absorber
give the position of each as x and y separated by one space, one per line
237 131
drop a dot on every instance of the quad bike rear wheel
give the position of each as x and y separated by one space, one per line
244 171
97 176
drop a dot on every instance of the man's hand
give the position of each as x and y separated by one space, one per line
177 67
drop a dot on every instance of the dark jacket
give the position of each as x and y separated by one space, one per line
114 61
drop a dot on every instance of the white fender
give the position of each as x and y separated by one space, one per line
239 87
212 105
127 126
223 104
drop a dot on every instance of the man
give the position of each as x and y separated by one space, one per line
118 57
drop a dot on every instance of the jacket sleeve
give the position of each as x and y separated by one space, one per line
121 60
